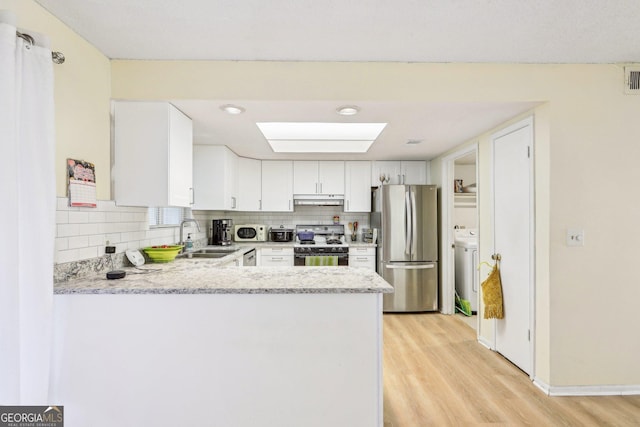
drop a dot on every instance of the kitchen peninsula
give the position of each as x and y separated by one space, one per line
196 344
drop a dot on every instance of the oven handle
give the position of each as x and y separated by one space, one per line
305 255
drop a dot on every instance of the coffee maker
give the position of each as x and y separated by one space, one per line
221 232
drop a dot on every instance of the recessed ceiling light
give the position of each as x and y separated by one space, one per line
288 137
414 141
348 110
232 109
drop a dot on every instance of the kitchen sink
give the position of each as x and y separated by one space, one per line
214 251
209 253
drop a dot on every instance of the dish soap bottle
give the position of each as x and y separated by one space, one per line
189 244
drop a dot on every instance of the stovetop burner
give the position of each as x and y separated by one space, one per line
334 242
307 242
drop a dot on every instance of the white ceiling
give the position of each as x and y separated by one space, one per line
497 31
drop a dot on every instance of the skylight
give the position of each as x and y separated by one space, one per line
296 137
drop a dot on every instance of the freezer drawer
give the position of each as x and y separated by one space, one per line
415 286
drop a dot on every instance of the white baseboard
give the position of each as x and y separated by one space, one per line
485 343
588 390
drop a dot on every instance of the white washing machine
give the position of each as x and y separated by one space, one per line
466 259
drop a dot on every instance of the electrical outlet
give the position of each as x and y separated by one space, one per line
575 237
110 250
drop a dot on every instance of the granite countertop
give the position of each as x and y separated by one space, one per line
259 245
209 276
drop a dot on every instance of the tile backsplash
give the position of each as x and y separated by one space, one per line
82 233
302 215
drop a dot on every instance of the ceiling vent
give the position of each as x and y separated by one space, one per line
632 80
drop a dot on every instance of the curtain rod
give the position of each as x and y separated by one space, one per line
56 57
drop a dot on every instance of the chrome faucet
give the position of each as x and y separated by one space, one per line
181 242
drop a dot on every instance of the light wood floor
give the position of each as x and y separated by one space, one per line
437 374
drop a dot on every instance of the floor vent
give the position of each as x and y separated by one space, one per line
632 80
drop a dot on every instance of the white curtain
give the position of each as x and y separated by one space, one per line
27 216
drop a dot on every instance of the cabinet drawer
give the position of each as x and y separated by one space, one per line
284 251
362 251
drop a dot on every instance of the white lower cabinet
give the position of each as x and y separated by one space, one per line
275 257
362 258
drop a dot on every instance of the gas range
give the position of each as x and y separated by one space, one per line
327 239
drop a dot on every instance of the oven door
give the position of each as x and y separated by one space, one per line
299 260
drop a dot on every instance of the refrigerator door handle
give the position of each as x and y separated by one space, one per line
407 224
410 266
414 225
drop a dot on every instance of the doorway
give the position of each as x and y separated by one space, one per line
460 212
513 227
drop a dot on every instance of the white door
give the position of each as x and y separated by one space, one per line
512 196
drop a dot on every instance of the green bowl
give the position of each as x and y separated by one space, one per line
162 254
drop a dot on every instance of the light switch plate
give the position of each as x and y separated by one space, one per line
575 237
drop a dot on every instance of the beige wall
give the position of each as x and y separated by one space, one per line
82 89
585 162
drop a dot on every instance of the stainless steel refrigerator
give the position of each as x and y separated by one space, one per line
406 217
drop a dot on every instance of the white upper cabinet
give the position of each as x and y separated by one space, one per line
318 177
413 172
399 172
152 155
389 169
357 189
277 185
249 184
215 178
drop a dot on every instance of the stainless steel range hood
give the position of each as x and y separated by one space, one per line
318 199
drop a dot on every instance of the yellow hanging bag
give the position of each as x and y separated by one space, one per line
492 295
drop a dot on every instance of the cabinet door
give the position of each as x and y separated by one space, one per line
305 177
249 184
277 185
390 169
276 261
357 191
331 177
361 261
180 158
215 177
231 179
152 155
413 172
